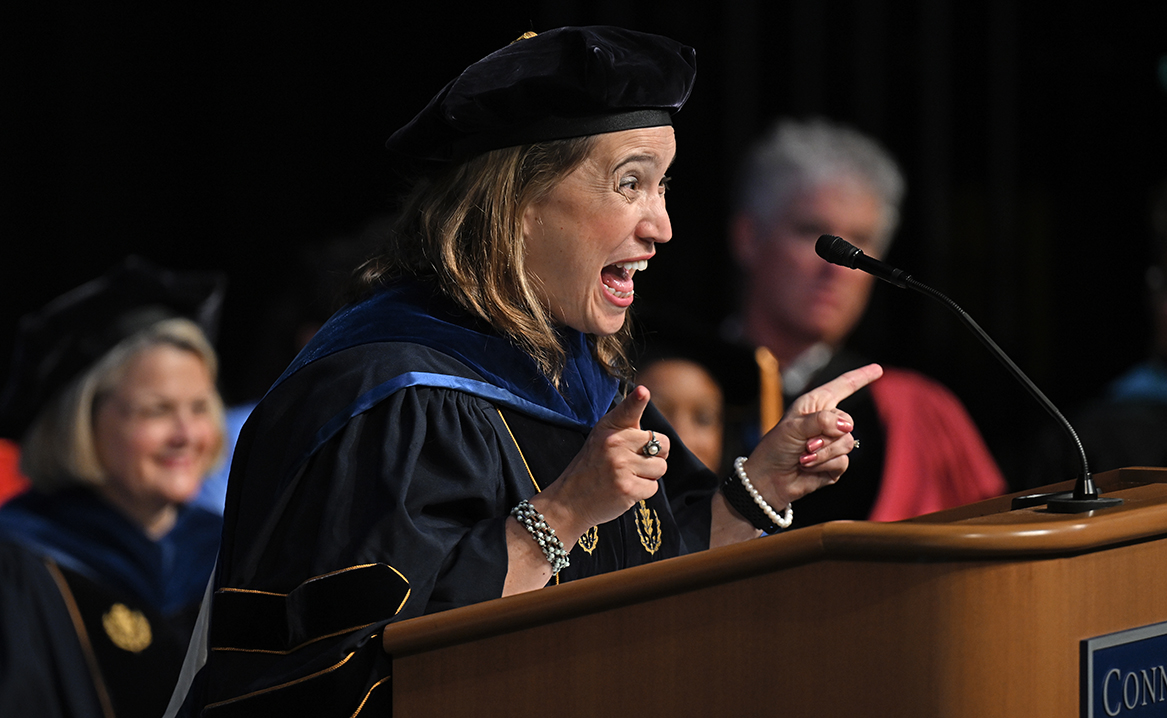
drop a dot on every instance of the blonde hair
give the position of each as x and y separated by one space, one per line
59 449
463 229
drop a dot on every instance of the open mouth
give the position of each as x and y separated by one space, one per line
617 278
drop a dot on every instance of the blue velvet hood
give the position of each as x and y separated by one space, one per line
412 312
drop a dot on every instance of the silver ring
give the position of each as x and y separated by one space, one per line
652 448
856 446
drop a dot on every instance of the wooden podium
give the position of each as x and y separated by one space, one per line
976 611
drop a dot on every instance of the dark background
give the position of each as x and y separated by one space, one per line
206 136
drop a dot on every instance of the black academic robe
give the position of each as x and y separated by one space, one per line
372 484
95 615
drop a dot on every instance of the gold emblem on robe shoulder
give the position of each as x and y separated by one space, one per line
128 629
648 528
589 540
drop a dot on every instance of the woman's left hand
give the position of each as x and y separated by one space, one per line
808 448
805 451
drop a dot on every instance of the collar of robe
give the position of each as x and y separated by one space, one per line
81 532
412 312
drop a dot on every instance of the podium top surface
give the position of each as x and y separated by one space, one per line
991 529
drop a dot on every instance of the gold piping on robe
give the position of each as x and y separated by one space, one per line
592 542
269 689
365 700
339 632
520 449
82 636
293 649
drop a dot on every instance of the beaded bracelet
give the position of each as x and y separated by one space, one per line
544 535
742 496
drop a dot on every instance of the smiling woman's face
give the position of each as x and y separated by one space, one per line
155 433
597 227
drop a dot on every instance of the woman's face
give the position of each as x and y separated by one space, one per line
155 432
598 227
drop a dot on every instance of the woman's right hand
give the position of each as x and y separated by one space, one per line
605 479
608 475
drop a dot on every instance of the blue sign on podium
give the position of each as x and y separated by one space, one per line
1123 673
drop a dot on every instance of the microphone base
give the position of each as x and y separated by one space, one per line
1081 506
1024 502
1063 502
1085 497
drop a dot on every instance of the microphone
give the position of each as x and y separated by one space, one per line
837 250
1085 496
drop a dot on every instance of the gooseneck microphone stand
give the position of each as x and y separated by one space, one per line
1085 495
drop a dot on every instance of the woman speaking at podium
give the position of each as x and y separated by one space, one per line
464 430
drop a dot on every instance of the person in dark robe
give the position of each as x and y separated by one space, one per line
464 430
102 565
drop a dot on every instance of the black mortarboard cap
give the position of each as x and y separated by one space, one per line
57 343
563 83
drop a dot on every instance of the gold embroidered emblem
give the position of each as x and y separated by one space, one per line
648 528
589 540
128 629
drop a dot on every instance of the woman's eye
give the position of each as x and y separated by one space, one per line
630 184
707 418
151 411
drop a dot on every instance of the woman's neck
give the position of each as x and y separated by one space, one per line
155 518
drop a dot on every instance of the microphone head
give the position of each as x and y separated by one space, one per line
837 250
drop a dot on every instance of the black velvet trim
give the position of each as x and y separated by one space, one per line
323 695
339 602
560 128
138 679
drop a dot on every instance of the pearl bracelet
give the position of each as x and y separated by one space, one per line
544 535
783 521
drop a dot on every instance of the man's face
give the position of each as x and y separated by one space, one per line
797 294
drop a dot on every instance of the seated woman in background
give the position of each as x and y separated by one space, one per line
692 401
102 566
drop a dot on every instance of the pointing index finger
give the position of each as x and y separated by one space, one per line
830 394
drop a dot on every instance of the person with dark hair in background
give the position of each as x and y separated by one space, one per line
465 429
920 450
102 563
690 398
